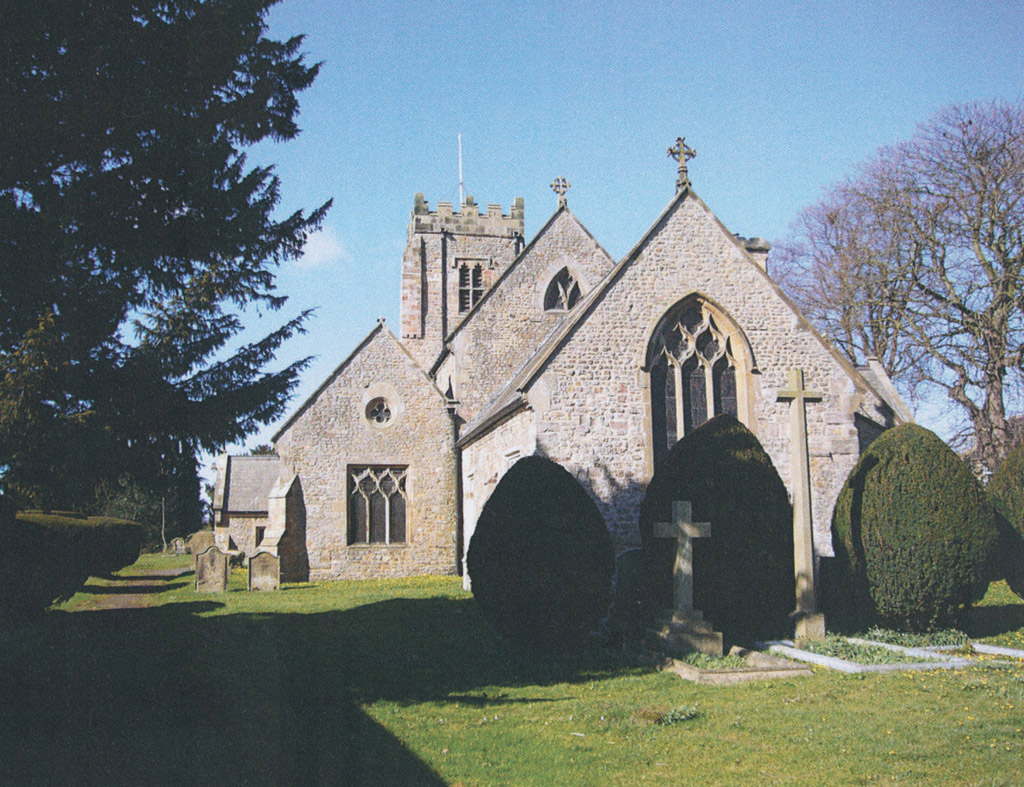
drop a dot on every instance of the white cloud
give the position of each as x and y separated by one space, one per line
322 249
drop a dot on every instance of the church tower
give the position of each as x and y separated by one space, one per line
451 259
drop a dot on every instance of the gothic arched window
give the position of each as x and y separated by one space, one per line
692 363
376 505
563 292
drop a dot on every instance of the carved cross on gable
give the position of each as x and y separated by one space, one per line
682 153
560 185
683 529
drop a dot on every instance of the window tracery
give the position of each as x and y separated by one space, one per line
563 292
378 411
377 505
693 372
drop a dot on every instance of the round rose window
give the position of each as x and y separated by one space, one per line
378 411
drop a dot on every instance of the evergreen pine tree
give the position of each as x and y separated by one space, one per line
133 235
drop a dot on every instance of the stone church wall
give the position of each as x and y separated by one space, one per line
331 433
594 411
438 243
486 460
511 322
242 531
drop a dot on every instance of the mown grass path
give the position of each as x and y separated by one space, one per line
139 680
134 591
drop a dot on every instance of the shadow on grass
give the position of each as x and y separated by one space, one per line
166 695
175 574
990 621
113 590
483 700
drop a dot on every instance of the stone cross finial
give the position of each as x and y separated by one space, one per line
682 153
810 624
560 185
683 529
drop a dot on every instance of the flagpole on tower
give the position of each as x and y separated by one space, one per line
461 197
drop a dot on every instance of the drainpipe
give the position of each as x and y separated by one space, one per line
452 406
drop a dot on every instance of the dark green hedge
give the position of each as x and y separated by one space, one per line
46 557
1006 492
743 574
914 535
541 559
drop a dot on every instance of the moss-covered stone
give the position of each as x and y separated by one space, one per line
914 534
743 573
541 558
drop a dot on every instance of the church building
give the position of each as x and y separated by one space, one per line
507 349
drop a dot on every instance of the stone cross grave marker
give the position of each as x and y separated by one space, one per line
264 571
211 571
685 629
810 623
683 529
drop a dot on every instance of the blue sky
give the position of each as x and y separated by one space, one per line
780 100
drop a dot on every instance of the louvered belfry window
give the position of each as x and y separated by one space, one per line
471 285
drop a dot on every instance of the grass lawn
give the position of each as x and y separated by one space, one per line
402 682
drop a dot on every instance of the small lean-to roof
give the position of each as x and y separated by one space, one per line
512 397
380 328
248 483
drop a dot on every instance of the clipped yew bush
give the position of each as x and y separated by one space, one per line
914 534
46 557
541 559
1006 493
743 574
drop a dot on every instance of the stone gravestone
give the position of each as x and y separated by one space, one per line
264 571
199 542
178 546
211 571
683 629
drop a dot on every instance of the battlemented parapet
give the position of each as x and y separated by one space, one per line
450 261
469 220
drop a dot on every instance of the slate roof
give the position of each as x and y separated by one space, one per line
248 484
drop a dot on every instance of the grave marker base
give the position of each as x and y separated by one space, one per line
759 666
681 632
809 626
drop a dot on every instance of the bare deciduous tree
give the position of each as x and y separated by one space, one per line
919 260
844 271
